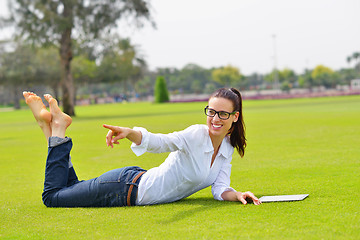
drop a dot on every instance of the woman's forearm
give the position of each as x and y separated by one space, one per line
229 196
134 136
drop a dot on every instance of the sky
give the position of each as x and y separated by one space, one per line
253 35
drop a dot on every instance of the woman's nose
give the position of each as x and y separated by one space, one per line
216 117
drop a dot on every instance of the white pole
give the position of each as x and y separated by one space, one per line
276 78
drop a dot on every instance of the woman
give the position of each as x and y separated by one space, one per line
200 156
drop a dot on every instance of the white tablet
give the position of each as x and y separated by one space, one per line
283 198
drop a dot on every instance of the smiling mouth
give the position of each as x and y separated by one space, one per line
217 126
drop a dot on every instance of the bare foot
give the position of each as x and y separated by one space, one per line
60 121
41 114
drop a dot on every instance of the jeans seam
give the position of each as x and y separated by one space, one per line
117 181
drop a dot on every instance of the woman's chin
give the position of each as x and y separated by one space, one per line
217 132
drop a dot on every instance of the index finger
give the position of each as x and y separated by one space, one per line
111 127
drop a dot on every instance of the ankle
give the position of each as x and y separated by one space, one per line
56 141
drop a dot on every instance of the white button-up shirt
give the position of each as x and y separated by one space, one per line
187 168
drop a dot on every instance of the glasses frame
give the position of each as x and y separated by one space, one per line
218 113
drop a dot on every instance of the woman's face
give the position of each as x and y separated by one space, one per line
220 127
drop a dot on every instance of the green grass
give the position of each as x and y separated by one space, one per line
294 146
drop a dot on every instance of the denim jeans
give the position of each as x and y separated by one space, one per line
63 189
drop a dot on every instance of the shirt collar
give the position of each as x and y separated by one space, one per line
225 149
208 145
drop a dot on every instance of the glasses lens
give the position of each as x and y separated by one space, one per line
224 115
210 112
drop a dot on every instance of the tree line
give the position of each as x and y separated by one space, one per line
70 47
29 67
120 70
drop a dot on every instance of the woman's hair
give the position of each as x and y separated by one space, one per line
237 130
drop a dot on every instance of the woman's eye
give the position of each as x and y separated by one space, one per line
223 114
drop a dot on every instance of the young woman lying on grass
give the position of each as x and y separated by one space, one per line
200 156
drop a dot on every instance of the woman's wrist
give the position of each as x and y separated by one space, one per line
134 136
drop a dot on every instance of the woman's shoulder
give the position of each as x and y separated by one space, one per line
197 129
196 133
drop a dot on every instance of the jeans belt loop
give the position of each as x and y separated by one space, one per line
132 186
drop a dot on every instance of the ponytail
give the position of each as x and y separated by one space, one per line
237 130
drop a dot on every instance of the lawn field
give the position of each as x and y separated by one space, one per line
295 146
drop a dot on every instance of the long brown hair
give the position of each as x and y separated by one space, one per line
237 130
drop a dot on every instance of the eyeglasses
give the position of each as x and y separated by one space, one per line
222 114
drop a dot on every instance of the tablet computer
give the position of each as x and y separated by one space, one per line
283 198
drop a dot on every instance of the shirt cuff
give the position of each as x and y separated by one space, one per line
142 148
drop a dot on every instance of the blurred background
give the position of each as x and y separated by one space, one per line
89 52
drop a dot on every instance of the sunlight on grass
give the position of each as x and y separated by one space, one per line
294 146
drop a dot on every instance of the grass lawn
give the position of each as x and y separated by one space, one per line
294 146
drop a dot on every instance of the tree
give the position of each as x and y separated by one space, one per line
346 75
270 77
305 80
227 75
176 81
48 70
255 81
121 62
355 56
161 92
192 78
324 76
196 86
285 86
46 21
283 75
288 75
144 87
348 60
84 71
17 70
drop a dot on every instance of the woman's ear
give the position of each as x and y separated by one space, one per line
236 115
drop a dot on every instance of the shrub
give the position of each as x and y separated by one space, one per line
161 92
286 86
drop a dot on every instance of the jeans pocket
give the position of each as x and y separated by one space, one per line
113 176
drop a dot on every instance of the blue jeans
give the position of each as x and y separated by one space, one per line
63 189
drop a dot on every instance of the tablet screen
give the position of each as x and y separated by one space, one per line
283 198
